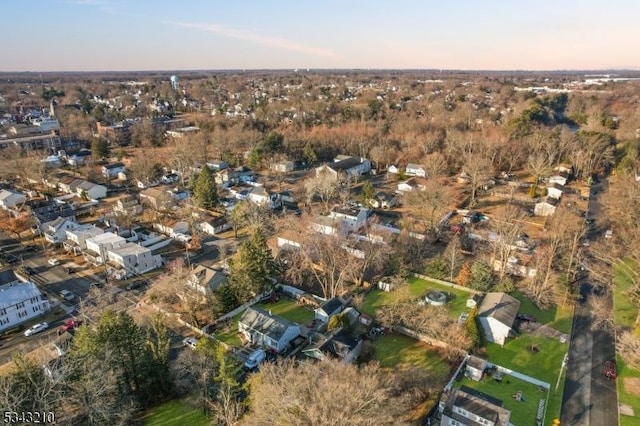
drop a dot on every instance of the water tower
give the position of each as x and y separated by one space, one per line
175 85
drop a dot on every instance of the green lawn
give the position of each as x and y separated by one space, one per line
229 334
395 350
415 288
557 317
523 412
288 310
625 312
175 413
543 365
625 397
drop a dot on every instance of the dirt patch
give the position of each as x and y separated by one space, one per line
632 385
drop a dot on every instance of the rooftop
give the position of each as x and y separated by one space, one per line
13 293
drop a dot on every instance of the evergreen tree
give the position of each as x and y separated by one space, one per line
205 191
309 155
99 148
251 268
481 276
368 193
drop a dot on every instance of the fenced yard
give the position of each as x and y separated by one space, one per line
415 288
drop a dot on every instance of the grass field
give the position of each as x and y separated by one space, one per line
522 412
229 334
415 288
288 310
626 397
175 413
557 317
397 350
625 311
543 365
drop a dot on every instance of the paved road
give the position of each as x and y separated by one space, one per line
589 399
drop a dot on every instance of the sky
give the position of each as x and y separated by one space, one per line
126 35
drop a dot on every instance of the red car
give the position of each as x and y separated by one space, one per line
70 324
610 370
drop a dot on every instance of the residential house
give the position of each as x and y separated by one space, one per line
468 407
345 167
76 238
133 258
474 367
352 218
338 344
217 165
328 309
261 196
288 198
205 279
283 166
98 246
171 227
128 205
560 179
555 190
415 170
414 183
546 207
496 314
384 200
169 179
55 231
112 170
19 301
266 330
214 225
156 198
90 190
394 170
10 200
179 194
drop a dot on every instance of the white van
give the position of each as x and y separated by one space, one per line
255 359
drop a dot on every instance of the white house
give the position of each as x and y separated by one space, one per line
214 225
352 218
261 196
496 314
411 184
328 309
76 239
217 165
394 170
546 207
171 227
283 166
19 301
415 170
92 190
345 166
134 258
555 191
111 170
559 179
384 200
266 330
98 246
205 279
55 231
10 199
466 406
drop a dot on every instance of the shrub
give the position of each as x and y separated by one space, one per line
481 278
438 268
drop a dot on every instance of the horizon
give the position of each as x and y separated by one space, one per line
127 36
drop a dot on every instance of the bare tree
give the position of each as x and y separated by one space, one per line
507 226
324 186
478 168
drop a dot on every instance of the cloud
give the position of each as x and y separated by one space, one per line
241 34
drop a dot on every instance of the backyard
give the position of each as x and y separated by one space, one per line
557 317
542 363
415 288
175 413
522 412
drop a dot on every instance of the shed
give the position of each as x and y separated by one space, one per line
475 367
473 300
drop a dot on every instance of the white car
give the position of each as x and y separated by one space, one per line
54 262
36 329
190 342
67 295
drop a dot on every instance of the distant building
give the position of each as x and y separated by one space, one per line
345 166
133 258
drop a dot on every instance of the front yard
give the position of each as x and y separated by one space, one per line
523 412
415 288
543 364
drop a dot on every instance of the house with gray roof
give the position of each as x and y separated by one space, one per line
338 344
266 330
496 314
469 407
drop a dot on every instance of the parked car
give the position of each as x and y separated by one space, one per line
10 258
610 369
30 248
70 324
525 318
36 329
255 359
54 262
67 295
29 270
137 284
190 342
